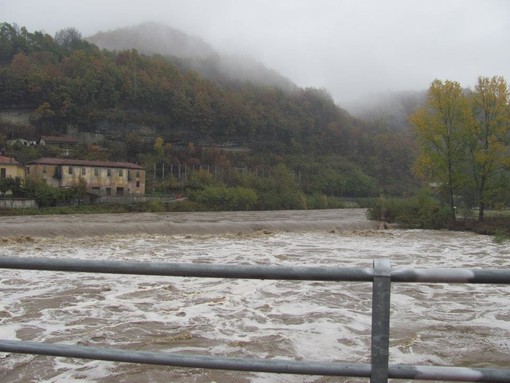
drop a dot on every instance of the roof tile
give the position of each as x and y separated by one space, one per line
89 163
8 161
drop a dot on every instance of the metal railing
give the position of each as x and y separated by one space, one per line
381 275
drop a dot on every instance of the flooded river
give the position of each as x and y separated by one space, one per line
431 324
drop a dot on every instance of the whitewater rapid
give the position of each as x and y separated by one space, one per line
431 324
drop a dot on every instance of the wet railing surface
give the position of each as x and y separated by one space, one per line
381 275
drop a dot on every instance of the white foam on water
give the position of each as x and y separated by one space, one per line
431 323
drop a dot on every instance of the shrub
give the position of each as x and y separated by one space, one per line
14 185
501 236
46 195
421 211
384 209
225 198
156 206
317 201
288 200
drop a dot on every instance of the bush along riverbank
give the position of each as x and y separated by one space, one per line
498 226
423 211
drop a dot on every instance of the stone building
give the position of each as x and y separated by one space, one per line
103 178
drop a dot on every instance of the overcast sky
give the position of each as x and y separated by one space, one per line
353 48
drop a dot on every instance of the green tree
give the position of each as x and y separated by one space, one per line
488 136
44 194
440 128
159 149
283 192
44 114
69 38
14 185
200 179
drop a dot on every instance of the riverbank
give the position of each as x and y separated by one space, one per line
496 226
81 225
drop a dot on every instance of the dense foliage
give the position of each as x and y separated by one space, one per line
45 195
419 212
160 113
424 211
464 141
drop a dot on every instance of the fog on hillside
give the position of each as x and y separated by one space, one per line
153 38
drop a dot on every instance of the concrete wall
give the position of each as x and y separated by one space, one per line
17 203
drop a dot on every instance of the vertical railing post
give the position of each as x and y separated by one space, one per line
381 292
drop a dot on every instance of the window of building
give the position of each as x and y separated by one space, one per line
138 173
120 191
70 170
108 191
83 171
109 172
44 169
3 173
28 170
137 184
96 172
121 172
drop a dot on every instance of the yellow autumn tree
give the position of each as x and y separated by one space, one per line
159 148
488 136
440 128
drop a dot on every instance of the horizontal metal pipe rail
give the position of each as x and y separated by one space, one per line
333 274
256 365
381 275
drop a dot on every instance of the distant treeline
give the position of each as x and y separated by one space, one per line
66 81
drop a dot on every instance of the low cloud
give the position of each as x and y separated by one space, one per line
352 48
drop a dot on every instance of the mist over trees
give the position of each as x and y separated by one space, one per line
190 52
68 38
391 109
134 99
264 146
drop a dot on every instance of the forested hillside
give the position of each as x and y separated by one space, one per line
66 81
190 53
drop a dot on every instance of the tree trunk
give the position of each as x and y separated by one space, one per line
481 211
452 204
450 189
481 195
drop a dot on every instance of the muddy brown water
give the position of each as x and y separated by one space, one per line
432 324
